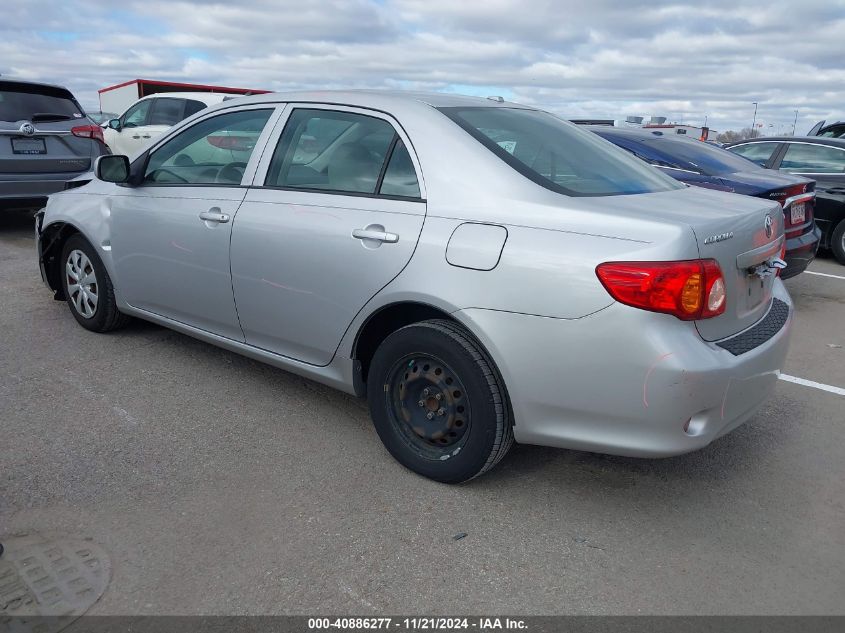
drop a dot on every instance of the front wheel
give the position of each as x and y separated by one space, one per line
437 402
88 288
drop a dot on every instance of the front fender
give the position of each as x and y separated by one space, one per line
66 214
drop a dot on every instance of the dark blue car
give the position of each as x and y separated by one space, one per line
705 165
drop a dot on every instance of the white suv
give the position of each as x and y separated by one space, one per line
150 116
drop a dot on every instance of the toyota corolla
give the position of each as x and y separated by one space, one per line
480 271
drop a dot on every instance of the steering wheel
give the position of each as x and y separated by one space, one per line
162 170
231 173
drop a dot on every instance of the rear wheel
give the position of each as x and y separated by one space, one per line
437 403
88 288
837 242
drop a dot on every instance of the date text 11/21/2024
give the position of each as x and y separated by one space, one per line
416 624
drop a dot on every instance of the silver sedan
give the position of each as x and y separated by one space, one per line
480 271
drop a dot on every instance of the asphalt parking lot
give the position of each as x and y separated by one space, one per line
218 485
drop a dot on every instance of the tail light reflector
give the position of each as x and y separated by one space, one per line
690 290
88 131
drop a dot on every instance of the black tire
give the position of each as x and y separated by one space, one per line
104 316
837 242
464 432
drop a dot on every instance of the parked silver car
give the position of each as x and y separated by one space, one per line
480 270
46 139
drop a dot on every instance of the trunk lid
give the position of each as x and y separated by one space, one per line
741 234
51 148
35 130
727 227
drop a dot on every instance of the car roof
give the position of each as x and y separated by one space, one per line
814 140
379 99
15 80
208 98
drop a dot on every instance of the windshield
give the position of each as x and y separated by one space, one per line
558 155
699 156
20 101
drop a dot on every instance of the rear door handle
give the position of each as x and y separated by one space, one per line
214 215
379 236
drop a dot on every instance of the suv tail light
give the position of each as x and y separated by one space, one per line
88 131
690 290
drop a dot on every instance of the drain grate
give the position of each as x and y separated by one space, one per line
40 577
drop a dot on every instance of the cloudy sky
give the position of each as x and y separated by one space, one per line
602 58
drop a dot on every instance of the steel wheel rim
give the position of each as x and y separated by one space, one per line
82 286
428 405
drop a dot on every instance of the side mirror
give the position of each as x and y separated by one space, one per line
112 168
114 124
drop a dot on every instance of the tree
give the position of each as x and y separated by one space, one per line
731 136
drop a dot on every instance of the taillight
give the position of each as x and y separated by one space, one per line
89 131
690 290
807 199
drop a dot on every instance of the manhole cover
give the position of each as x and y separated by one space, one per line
39 577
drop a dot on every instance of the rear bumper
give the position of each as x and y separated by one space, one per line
31 190
800 252
626 381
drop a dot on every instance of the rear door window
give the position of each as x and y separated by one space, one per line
167 111
332 151
813 159
400 177
26 102
759 153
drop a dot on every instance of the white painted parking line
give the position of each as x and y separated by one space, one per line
815 385
810 272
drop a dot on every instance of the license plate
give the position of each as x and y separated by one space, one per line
29 146
798 213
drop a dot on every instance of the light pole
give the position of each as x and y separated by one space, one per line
754 121
794 122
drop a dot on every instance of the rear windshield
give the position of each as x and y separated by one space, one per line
699 156
558 155
27 102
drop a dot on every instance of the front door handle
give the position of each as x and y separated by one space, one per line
214 215
135 136
378 236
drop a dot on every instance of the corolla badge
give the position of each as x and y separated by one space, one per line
27 128
721 237
768 224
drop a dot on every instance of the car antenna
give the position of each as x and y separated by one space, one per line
497 99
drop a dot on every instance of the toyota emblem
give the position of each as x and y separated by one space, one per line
27 129
768 224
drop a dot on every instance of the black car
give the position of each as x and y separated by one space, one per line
705 165
820 158
831 130
46 139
